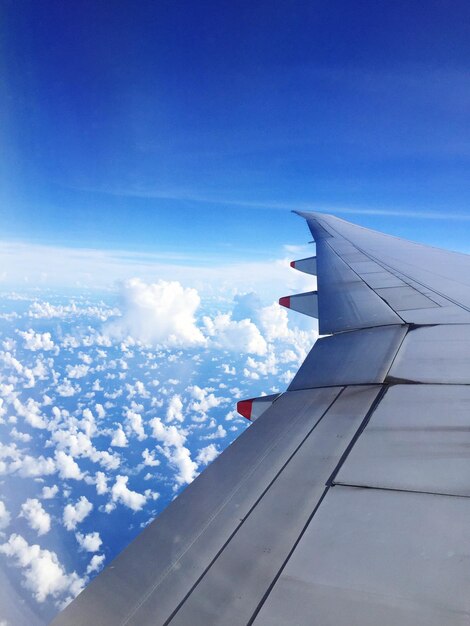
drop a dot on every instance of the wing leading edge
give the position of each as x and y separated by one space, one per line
346 502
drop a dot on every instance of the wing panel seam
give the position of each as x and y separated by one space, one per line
252 508
328 486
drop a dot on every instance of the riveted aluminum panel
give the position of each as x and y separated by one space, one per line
402 298
436 354
365 267
426 291
354 256
355 358
341 246
371 557
440 315
233 587
383 279
418 439
162 564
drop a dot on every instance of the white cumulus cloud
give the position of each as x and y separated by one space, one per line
158 313
175 409
36 341
67 467
242 336
119 439
134 424
95 564
120 492
74 514
91 542
77 371
208 454
174 450
37 518
66 389
49 492
4 516
43 574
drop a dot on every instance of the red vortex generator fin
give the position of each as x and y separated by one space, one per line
285 301
244 408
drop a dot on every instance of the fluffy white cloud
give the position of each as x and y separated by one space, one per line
66 466
219 433
91 542
49 492
43 574
204 399
46 310
119 439
181 459
74 514
77 371
149 458
79 444
158 313
208 454
135 425
101 483
31 412
265 366
137 389
37 518
5 516
274 322
242 336
120 492
100 411
175 409
174 450
36 341
19 436
66 389
95 564
28 466
26 373
168 435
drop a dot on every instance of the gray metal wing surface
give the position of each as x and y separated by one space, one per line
347 502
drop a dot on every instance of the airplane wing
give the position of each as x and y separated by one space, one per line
346 503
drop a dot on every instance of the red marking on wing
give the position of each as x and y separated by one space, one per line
244 408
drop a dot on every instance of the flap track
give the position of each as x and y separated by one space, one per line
306 303
309 266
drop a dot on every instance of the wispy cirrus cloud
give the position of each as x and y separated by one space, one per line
301 205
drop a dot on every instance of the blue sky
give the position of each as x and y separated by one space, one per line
170 126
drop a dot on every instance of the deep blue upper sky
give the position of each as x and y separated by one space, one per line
170 124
